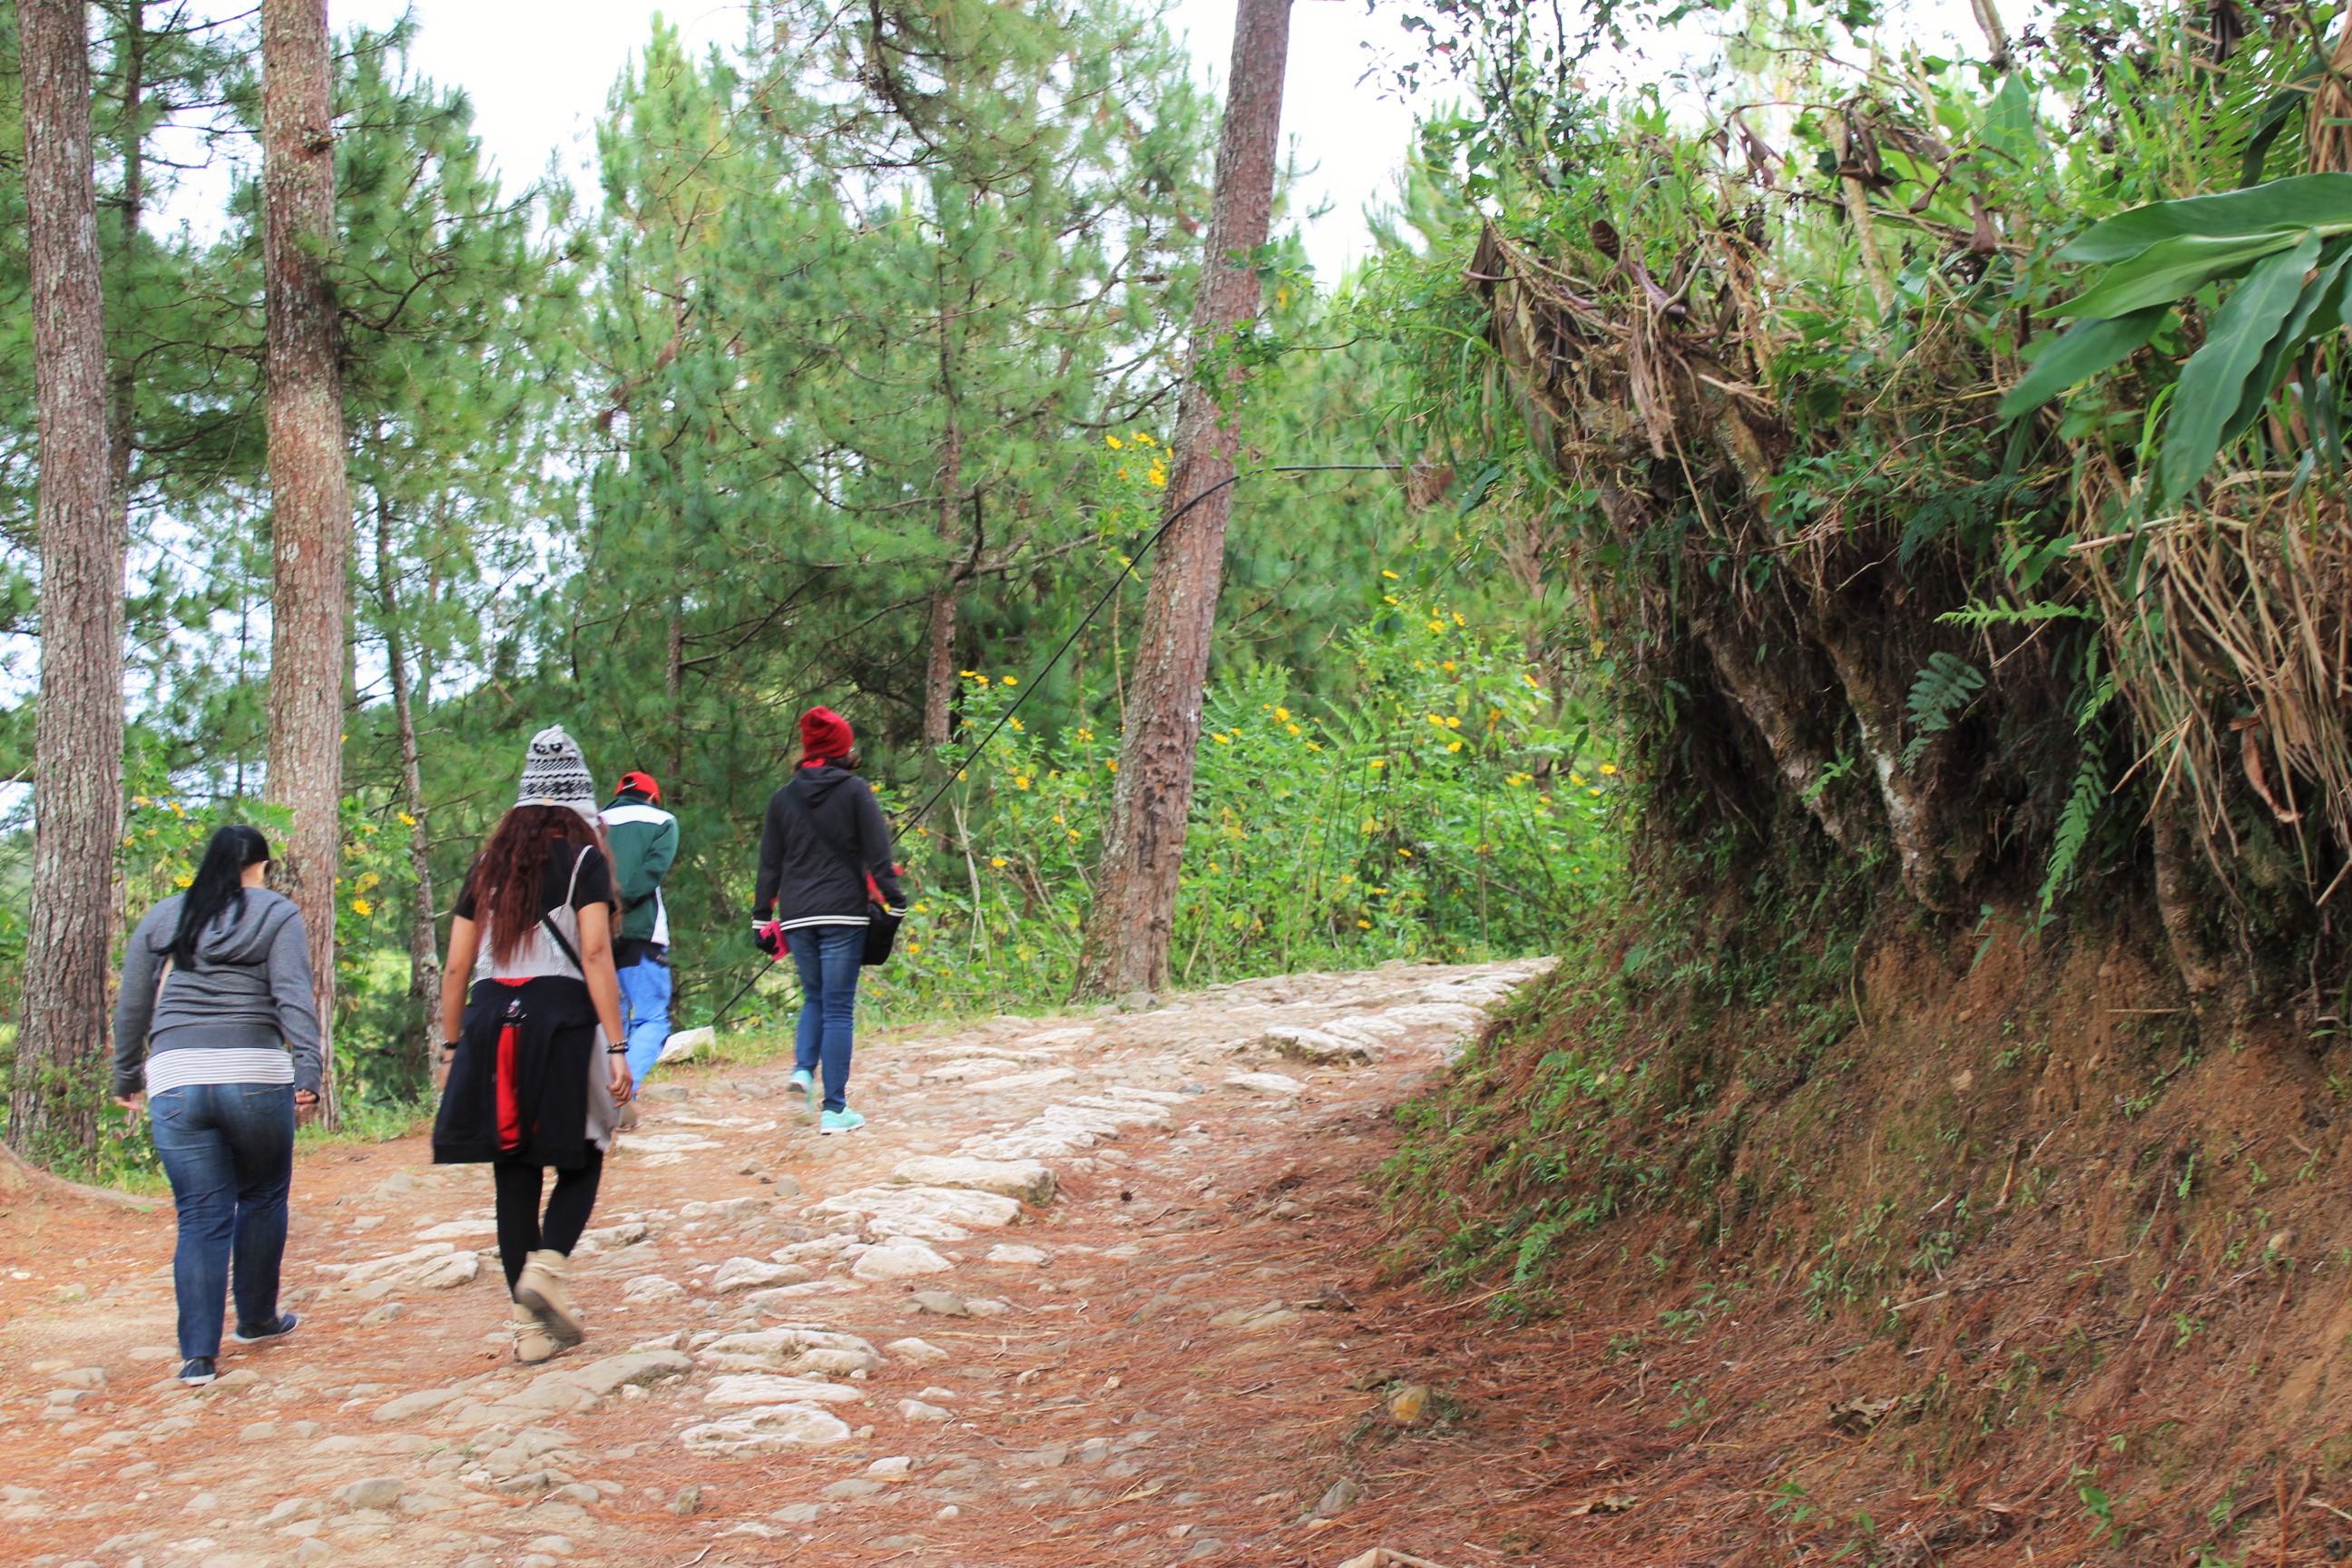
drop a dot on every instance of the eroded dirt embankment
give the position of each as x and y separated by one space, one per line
1998 1249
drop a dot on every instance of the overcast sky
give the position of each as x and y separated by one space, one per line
538 72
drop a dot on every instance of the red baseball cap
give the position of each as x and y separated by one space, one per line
641 784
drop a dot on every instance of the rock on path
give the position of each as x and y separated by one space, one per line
1059 1302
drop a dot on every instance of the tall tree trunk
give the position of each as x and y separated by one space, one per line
77 743
310 503
940 670
423 949
1133 920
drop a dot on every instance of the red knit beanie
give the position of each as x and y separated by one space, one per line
825 737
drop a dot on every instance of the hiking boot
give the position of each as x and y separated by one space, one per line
533 1342
197 1371
842 1121
540 1290
805 1082
278 1330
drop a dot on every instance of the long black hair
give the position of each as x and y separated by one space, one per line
219 884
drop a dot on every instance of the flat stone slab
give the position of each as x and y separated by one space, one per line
768 1429
1026 1180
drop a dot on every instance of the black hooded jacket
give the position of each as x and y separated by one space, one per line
802 876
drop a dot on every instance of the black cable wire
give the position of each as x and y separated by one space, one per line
1029 689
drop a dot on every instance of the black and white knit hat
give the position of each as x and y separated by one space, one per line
555 773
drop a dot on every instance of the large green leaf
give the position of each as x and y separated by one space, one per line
2305 201
2317 309
2215 378
2164 272
2089 347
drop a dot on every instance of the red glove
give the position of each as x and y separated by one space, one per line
768 936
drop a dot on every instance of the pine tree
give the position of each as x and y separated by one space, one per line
311 519
77 774
1134 910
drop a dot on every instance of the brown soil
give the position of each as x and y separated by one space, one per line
2038 1265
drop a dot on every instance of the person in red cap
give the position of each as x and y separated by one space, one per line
644 838
825 858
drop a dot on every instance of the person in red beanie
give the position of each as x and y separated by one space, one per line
825 856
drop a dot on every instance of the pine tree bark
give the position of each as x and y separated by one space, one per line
77 743
1133 918
309 501
424 948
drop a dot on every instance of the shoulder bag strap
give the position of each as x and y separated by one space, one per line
548 920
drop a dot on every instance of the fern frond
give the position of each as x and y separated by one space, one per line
1940 695
1978 615
2083 804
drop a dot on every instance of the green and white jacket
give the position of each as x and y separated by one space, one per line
644 844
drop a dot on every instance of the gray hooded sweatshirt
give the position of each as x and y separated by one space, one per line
249 987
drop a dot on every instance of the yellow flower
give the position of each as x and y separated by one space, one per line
1020 780
1347 877
1017 725
997 861
1141 439
362 907
960 775
1459 620
1213 866
1114 443
1379 889
1012 680
184 881
1378 762
141 800
1282 712
1112 764
1594 790
1222 739
970 673
1313 746
1363 925
914 947
406 820
1292 728
1452 724
1390 575
1448 667
1608 768
1437 625
1406 853
1437 719
1085 734
1453 745
1576 778
1388 598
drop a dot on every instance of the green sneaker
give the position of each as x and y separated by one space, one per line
805 1082
842 1121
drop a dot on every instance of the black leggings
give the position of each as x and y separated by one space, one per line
521 1232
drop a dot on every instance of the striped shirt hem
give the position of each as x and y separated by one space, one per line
193 1064
823 920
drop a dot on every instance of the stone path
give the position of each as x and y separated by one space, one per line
1083 1292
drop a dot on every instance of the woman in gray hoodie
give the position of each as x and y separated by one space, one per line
215 991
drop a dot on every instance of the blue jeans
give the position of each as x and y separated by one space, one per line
828 959
228 1149
644 1013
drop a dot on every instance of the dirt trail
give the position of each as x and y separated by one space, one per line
842 1349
